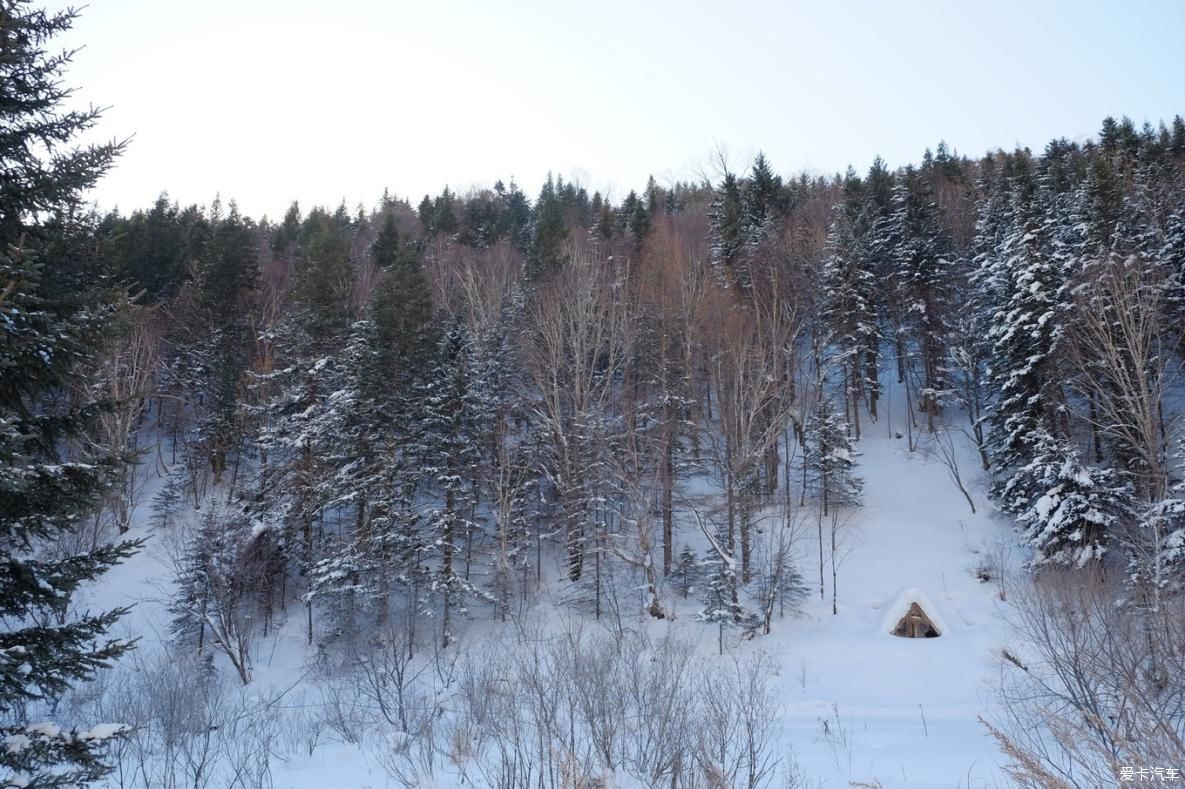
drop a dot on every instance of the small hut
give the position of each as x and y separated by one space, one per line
915 624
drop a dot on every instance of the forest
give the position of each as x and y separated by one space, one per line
385 431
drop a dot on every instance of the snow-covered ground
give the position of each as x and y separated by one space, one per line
897 710
857 705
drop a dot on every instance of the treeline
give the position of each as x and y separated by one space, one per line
399 411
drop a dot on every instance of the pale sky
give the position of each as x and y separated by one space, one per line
266 101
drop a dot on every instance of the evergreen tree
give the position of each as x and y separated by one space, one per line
920 283
1173 255
287 235
153 248
1177 140
603 226
352 435
720 601
727 232
687 571
1157 548
763 199
401 310
849 293
547 244
454 414
191 597
325 280
1066 508
226 288
830 456
387 249
514 217
444 215
1025 334
51 314
637 218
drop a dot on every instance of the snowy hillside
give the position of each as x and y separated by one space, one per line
851 702
748 480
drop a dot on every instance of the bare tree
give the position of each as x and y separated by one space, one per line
633 478
778 579
508 483
1124 355
1094 682
670 283
944 446
574 351
224 572
124 375
754 399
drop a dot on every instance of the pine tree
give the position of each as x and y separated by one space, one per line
401 309
352 438
547 244
763 200
727 232
637 217
226 289
51 314
287 235
1173 255
720 603
387 249
514 217
920 281
831 457
1025 334
222 584
1157 548
191 598
444 216
454 413
687 571
849 288
1069 508
325 280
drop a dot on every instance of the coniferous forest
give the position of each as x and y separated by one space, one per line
470 458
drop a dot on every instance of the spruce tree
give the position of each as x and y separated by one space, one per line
763 199
547 245
325 281
227 280
686 572
831 457
720 601
849 300
453 414
1025 335
51 314
1069 508
727 231
401 308
920 281
1173 255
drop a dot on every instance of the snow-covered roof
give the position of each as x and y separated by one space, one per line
900 607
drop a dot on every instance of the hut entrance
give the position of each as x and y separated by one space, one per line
915 624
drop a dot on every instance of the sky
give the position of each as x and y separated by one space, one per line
269 101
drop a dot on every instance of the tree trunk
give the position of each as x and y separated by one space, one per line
668 517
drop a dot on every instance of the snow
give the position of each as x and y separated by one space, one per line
908 708
856 704
102 731
900 607
46 729
15 743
